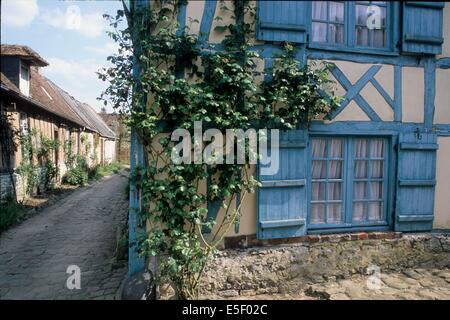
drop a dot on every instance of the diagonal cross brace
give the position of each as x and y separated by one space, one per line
353 91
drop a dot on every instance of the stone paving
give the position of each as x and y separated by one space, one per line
411 284
80 230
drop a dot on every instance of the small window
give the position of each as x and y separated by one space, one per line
23 122
348 181
24 80
360 24
328 22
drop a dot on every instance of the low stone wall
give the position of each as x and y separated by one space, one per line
293 267
6 186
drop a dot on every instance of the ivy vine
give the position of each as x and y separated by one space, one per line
182 80
36 165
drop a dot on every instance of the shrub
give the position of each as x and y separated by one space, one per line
9 213
76 176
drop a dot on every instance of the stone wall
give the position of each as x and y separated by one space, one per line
291 268
6 186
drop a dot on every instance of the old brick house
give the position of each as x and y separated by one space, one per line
31 102
116 123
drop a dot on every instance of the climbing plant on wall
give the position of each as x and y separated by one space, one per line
182 80
36 165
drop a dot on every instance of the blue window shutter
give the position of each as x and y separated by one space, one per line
282 198
422 27
213 207
283 21
416 182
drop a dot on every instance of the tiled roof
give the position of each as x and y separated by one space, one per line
48 96
6 83
42 91
102 127
87 113
42 96
24 52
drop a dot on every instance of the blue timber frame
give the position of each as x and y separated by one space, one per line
136 262
376 127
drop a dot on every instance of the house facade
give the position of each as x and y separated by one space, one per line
380 162
32 103
116 123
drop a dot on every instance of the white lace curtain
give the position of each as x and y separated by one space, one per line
327 186
328 192
369 188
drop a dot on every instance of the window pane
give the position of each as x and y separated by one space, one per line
334 213
360 191
320 10
376 167
335 169
376 190
336 12
24 73
383 17
379 38
319 147
361 148
317 213
319 169
361 14
361 169
319 32
336 146
362 36
376 148
334 191
318 191
336 33
358 211
375 211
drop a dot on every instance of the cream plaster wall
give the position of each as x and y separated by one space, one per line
412 94
377 102
442 99
194 11
442 195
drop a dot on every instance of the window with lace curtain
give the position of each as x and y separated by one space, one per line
348 181
351 24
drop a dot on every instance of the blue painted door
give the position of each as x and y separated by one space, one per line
416 182
282 198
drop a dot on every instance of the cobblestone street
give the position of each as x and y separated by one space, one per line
80 230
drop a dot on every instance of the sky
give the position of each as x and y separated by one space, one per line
70 35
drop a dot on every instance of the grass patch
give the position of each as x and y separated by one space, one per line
9 213
106 170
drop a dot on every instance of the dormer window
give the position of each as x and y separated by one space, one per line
24 84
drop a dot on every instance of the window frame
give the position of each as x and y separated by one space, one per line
348 181
392 32
23 123
24 84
